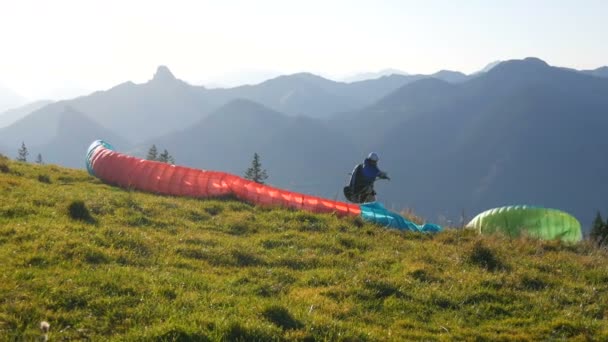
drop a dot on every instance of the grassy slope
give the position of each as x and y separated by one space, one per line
164 268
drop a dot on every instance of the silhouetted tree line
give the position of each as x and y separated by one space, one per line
599 231
23 152
164 157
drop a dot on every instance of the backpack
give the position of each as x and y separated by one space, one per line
349 190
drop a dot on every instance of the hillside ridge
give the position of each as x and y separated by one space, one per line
99 262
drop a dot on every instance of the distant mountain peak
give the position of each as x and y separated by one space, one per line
373 75
163 74
306 74
488 67
447 72
535 61
526 65
599 72
450 76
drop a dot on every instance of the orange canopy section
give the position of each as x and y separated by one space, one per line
156 177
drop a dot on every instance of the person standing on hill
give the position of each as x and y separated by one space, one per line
361 186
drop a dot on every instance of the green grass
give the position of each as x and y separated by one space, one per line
102 263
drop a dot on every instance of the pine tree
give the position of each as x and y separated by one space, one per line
152 153
255 172
22 153
165 157
599 230
39 159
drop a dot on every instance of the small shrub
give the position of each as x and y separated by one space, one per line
382 289
66 179
16 212
78 211
213 210
4 168
442 302
484 257
352 243
191 253
195 216
281 317
271 244
169 294
533 283
567 329
357 221
239 228
298 263
238 332
44 179
37 261
244 259
409 214
95 257
310 223
181 335
423 276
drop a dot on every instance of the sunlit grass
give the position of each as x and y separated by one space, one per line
102 263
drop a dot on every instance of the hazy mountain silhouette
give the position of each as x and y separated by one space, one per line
12 115
445 75
135 111
61 135
37 128
10 99
599 72
298 152
165 104
297 94
224 139
141 111
373 75
75 132
373 123
450 76
488 67
522 132
314 96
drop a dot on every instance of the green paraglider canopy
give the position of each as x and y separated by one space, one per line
517 220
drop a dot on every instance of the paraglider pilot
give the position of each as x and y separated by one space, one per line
361 186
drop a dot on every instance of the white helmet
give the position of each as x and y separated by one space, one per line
373 156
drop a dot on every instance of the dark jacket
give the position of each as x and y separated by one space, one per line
361 186
364 175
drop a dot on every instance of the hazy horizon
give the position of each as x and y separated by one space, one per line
67 48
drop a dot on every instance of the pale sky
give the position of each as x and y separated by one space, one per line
58 48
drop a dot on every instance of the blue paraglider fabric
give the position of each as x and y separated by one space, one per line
376 212
91 150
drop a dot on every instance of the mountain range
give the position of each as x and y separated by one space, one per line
165 104
524 132
520 132
599 72
12 115
372 75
